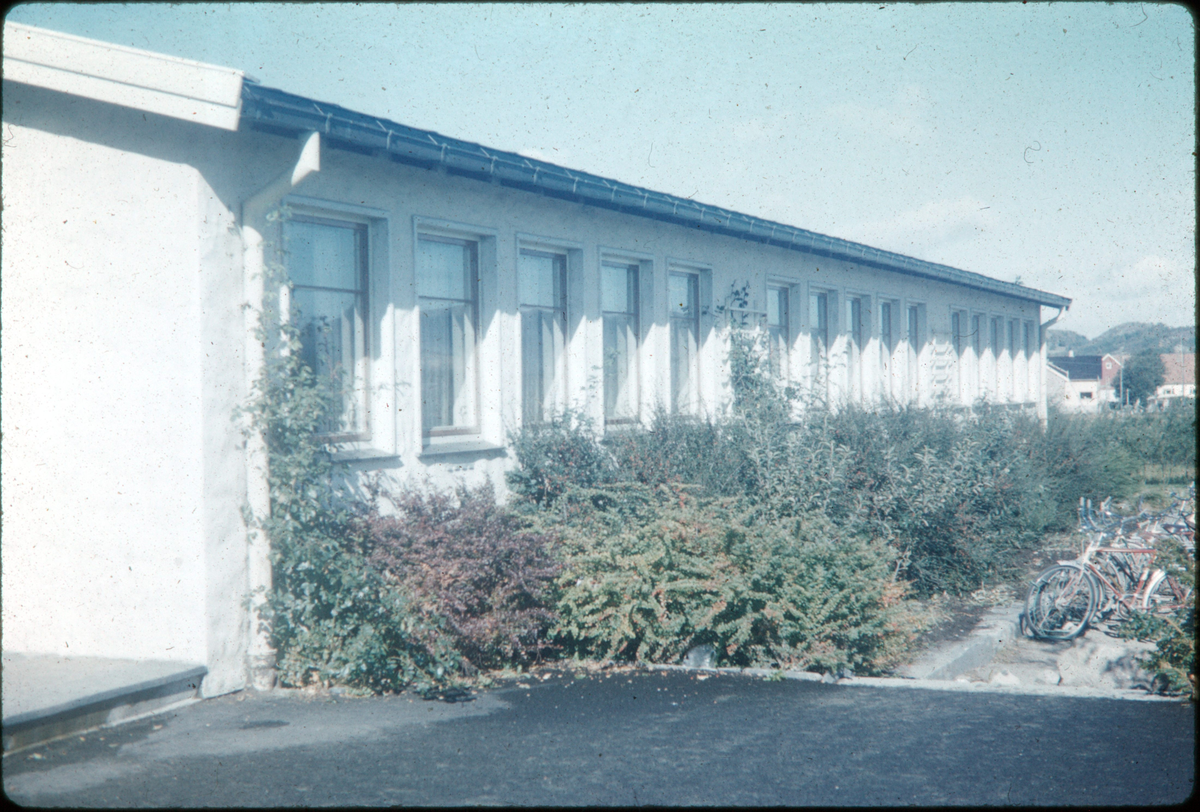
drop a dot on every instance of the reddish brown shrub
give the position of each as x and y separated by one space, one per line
462 556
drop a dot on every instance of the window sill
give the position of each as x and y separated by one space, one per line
475 447
357 454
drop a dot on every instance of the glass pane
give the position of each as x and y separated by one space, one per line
818 319
885 326
447 365
332 342
444 269
913 333
777 307
323 255
541 363
856 322
777 330
618 288
976 335
540 279
684 381
620 368
681 295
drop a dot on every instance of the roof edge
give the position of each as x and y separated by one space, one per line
281 111
129 77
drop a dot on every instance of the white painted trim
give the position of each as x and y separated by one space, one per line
143 80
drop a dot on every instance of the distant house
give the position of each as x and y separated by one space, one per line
465 292
1075 383
1110 373
1179 377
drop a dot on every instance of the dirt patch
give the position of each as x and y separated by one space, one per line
957 617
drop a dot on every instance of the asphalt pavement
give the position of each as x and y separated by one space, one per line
628 738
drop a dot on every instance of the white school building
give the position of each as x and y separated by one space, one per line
460 291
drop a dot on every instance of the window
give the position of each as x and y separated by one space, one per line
977 352
914 349
818 330
887 345
1013 364
542 288
994 342
854 323
958 343
327 263
778 332
683 299
619 303
1032 368
447 294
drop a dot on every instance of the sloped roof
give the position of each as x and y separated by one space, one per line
1080 367
288 114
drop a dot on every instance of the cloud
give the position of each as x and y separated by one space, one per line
902 119
1152 289
932 226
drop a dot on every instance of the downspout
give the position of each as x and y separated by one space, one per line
260 656
1043 411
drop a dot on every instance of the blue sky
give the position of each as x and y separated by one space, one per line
1054 143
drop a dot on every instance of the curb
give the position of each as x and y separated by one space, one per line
102 709
931 684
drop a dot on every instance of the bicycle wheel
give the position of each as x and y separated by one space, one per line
1166 597
1061 601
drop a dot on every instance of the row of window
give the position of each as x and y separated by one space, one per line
328 263
328 266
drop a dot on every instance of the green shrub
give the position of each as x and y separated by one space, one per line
1084 456
649 573
555 455
677 449
1173 660
466 559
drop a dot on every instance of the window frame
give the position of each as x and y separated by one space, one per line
378 437
783 333
563 312
696 277
635 317
858 333
475 243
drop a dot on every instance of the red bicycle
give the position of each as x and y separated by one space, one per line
1107 581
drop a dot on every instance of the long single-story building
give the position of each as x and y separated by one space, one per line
461 291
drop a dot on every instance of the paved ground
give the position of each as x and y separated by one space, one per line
673 738
1095 659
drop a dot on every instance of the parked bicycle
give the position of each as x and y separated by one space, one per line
1114 576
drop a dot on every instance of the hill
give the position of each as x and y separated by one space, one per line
1127 338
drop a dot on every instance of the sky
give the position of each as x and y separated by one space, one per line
1050 144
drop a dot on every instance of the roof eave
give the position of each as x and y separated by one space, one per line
282 112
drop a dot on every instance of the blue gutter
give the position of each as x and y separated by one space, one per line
274 110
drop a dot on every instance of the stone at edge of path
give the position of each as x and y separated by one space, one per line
1093 660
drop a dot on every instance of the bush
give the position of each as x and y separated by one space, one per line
331 617
1174 659
334 620
676 449
464 558
649 573
554 455
1084 456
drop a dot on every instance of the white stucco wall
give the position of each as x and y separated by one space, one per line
122 482
404 201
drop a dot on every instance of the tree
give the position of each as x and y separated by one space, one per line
1144 372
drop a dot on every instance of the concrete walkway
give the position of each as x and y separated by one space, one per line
46 696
